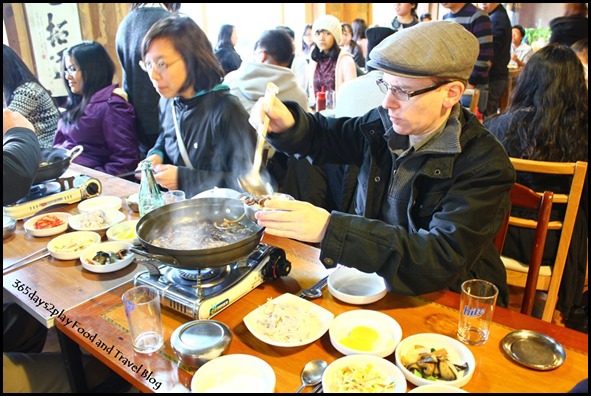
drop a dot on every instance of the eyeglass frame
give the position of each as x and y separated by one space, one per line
70 71
407 94
160 66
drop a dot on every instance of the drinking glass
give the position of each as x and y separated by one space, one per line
477 303
142 308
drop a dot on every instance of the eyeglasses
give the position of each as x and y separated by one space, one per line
70 71
403 95
160 66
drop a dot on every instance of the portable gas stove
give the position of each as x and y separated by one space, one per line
69 188
203 293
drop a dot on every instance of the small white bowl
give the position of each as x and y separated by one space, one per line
288 321
334 380
235 373
437 388
111 218
45 232
133 202
457 353
365 332
86 258
105 202
356 287
70 246
255 207
124 231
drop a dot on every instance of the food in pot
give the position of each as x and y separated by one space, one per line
433 364
48 221
202 234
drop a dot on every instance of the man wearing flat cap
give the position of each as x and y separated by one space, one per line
433 186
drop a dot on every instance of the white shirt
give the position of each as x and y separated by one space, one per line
523 52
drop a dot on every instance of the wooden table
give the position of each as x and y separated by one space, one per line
436 312
92 312
48 287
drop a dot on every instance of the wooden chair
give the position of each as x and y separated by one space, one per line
474 94
550 276
526 198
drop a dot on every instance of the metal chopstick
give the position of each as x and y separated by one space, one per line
27 259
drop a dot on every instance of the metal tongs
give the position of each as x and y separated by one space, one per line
252 181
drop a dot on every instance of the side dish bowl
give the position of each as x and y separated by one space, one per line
457 354
103 202
363 374
70 246
356 287
365 332
288 321
97 220
124 231
47 224
88 254
235 373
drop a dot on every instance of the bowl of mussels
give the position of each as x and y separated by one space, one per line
108 256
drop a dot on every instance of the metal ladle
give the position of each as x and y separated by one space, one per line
252 181
312 373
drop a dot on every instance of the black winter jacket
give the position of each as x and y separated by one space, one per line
459 195
217 135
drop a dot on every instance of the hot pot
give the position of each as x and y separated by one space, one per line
190 213
54 162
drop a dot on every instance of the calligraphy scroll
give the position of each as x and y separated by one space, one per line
53 28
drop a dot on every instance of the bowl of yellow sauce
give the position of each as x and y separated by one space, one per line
366 332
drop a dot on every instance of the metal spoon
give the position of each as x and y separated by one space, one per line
312 373
252 181
316 290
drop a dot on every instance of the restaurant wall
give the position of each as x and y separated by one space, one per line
99 21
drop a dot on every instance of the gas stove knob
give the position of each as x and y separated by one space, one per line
277 266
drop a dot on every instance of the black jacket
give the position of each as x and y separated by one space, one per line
569 29
458 195
21 156
229 59
217 135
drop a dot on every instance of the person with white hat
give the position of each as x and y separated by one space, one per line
330 66
433 186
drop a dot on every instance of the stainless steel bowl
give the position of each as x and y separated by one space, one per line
200 341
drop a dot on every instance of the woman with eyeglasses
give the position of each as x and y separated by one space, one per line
307 41
206 140
98 115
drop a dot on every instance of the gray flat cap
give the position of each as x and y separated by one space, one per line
428 49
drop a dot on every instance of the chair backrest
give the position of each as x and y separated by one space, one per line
474 94
526 198
576 170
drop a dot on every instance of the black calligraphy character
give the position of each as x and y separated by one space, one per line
58 34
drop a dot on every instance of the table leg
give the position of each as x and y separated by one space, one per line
73 362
